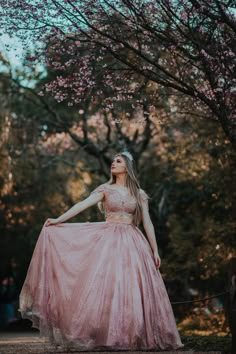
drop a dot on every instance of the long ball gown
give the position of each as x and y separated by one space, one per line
95 285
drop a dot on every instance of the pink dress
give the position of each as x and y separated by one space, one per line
96 286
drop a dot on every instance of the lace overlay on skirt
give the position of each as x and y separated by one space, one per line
95 285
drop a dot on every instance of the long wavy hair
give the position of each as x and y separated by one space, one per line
131 182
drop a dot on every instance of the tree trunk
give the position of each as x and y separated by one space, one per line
228 123
231 302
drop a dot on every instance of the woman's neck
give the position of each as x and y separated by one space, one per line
120 180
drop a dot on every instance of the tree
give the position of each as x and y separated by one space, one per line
187 46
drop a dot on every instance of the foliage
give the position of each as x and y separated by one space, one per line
97 47
205 319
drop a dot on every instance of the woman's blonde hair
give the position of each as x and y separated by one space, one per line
131 182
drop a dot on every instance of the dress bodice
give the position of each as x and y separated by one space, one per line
119 204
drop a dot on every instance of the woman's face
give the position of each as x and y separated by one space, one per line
118 165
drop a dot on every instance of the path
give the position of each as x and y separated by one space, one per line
31 343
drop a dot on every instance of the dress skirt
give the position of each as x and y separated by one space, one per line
95 285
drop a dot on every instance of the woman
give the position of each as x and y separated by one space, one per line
97 285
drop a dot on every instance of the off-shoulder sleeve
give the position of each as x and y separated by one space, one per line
144 195
99 189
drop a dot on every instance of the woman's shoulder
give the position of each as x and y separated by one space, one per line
101 188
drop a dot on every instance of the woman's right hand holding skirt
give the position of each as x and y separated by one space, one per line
51 221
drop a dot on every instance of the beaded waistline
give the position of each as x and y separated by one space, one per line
119 217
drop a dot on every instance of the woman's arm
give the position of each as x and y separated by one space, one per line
93 199
149 229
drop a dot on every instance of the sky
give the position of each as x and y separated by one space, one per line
13 51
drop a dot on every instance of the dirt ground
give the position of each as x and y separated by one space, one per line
31 343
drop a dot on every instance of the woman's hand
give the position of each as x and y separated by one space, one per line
51 222
157 259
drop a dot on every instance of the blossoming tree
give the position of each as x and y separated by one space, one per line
187 46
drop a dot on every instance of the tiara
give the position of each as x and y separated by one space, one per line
128 154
